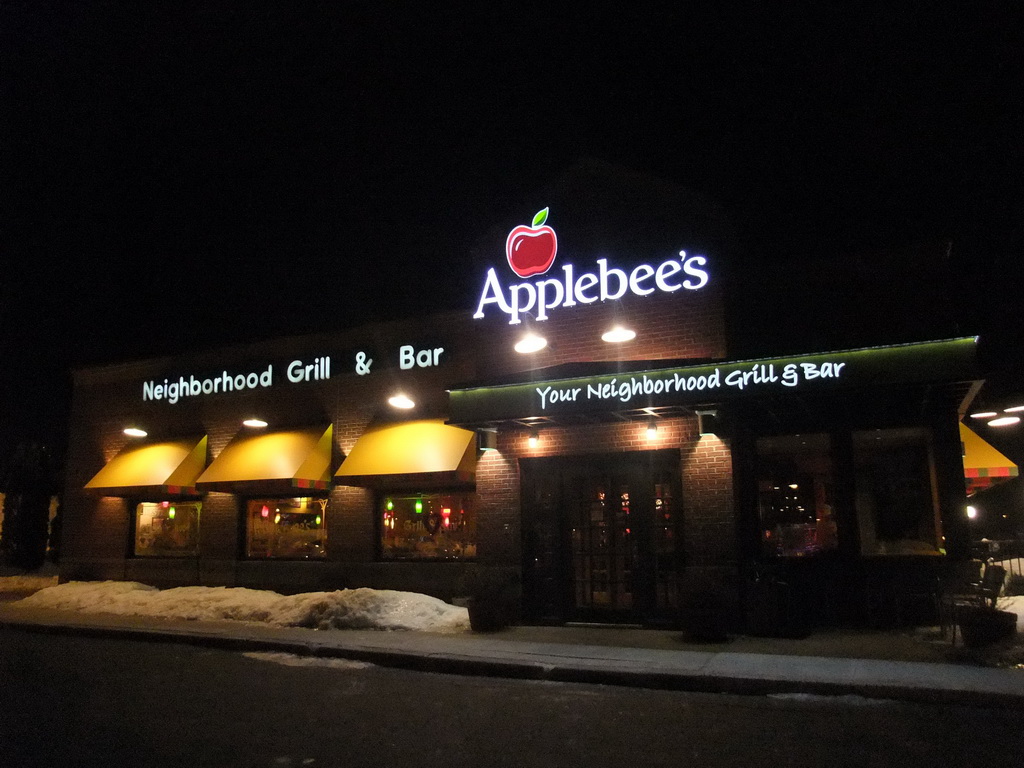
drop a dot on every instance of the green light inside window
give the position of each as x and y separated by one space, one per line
390 505
170 513
419 506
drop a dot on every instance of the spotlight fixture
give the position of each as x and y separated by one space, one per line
652 429
707 422
254 423
531 342
984 415
1014 409
618 334
135 432
533 439
400 400
487 439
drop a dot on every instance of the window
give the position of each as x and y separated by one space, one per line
429 526
167 529
795 491
896 499
292 528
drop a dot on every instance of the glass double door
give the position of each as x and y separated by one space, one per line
601 537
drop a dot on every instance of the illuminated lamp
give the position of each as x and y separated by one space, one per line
707 422
972 512
1004 421
135 432
389 505
531 342
400 400
984 415
618 334
533 439
255 423
277 518
652 428
1014 409
170 513
446 513
419 506
319 519
265 512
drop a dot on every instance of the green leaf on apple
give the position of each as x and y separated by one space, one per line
540 218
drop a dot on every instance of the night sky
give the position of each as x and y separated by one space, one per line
182 176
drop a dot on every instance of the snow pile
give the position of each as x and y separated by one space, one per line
343 609
1014 604
26 584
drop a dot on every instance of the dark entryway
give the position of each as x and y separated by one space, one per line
602 537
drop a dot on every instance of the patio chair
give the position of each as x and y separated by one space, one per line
956 593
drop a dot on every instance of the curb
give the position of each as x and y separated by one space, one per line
554 671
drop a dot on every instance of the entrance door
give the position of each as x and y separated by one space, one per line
600 536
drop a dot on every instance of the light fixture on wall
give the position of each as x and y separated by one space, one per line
618 334
652 429
401 400
531 342
254 423
533 439
487 439
707 422
1004 421
135 432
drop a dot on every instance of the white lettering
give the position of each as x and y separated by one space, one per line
492 295
700 274
618 274
665 271
637 276
612 284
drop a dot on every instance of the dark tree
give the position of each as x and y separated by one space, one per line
28 484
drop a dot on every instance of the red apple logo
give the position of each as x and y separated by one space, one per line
531 250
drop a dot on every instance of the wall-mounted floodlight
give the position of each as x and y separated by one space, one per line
487 439
618 335
400 400
531 342
707 422
533 439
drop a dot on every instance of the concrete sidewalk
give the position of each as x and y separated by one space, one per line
634 657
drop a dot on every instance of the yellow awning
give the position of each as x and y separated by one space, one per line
411 453
163 469
272 461
984 466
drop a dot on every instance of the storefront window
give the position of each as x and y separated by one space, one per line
167 529
896 499
429 526
795 495
291 528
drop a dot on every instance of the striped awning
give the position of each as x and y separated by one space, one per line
984 466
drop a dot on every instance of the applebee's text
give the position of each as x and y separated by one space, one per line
607 284
626 389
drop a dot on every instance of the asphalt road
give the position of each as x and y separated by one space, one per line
72 701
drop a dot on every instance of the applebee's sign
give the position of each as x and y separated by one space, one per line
531 251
